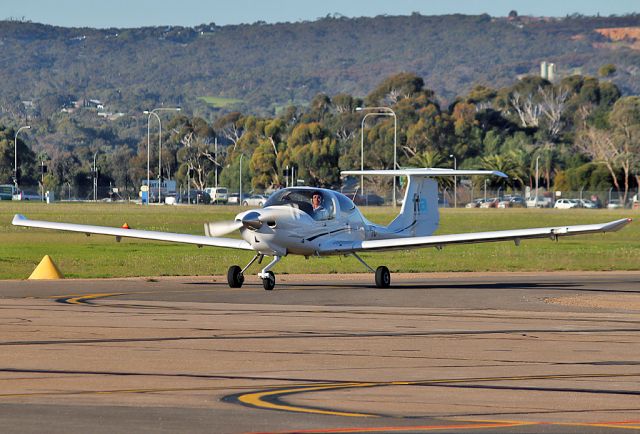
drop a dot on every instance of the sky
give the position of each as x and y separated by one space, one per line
139 13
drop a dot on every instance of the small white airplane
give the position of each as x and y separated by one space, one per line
288 224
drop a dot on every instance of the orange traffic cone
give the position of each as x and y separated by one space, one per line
125 226
47 269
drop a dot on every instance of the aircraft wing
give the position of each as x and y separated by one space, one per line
200 240
485 237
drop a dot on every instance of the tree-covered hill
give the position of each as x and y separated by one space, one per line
268 66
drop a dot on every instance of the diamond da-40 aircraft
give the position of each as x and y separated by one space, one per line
288 224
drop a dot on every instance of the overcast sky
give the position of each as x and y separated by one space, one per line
138 13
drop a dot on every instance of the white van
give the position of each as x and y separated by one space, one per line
219 195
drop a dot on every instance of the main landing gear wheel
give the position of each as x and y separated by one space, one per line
235 278
383 277
269 282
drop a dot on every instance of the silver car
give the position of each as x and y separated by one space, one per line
254 200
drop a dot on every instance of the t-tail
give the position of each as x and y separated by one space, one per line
419 214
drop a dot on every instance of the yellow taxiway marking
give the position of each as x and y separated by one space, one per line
399 428
83 298
257 399
261 399
80 299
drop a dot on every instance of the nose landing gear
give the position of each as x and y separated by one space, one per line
269 282
235 275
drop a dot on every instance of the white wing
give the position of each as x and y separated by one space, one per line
484 237
20 220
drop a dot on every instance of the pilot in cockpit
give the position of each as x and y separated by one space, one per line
319 211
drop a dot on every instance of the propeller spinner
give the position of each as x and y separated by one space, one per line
250 220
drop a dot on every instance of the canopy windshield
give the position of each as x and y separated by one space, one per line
303 199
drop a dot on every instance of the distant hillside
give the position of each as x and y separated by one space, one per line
261 67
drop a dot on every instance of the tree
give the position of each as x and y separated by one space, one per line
431 159
600 146
607 70
231 126
625 120
396 87
315 151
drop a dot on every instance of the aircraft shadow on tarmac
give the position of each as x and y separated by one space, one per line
553 286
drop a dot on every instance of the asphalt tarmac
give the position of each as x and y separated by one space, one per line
507 352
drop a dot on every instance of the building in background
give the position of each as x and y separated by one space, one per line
548 70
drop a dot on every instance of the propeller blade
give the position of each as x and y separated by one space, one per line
216 229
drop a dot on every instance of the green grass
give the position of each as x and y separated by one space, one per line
21 249
220 102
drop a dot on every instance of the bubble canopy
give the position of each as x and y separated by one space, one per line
301 198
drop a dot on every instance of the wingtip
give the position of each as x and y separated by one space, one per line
17 218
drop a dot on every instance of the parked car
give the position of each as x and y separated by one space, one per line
512 202
368 199
475 203
490 203
197 197
539 202
586 203
566 203
254 200
218 195
614 204
233 199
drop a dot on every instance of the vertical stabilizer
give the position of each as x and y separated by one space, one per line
419 215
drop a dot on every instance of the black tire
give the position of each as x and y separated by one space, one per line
245 203
383 277
235 278
269 282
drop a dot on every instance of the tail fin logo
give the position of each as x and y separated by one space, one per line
422 205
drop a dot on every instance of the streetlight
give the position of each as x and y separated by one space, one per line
240 179
388 112
15 152
95 177
455 181
153 112
535 201
485 189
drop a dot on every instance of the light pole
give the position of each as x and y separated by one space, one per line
455 181
95 178
240 179
153 112
15 152
485 189
387 112
535 201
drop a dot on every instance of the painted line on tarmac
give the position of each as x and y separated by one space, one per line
457 426
84 299
271 399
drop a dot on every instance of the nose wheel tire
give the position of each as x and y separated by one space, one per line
269 282
383 277
235 278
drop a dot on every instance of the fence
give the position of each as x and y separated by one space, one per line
374 196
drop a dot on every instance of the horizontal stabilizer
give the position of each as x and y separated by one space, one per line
425 172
